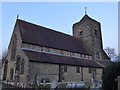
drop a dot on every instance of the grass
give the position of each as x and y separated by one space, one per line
45 86
63 85
88 84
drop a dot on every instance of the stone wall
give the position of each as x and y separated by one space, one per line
99 74
54 51
71 74
23 78
51 71
12 63
43 70
86 75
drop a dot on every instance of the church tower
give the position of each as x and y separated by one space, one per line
89 31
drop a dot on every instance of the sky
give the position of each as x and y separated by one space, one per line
119 27
60 16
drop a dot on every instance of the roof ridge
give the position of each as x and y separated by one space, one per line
46 28
51 29
86 16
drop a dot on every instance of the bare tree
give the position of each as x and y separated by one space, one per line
118 57
4 54
110 52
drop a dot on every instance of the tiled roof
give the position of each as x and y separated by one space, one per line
38 35
104 63
34 56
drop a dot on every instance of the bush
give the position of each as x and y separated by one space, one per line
110 73
88 84
46 86
62 85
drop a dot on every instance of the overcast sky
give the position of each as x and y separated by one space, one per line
61 16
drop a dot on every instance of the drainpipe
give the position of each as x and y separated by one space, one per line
60 73
81 73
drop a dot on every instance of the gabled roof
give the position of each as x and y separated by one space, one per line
38 35
86 18
34 56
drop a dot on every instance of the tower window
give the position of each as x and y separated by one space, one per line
95 32
80 33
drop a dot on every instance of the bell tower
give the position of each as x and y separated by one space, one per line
89 31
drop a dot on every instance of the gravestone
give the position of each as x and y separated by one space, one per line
54 84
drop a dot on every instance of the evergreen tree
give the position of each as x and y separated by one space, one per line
110 74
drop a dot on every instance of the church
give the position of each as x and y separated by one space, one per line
36 53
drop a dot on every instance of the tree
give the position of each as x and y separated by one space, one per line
3 59
110 52
119 56
4 54
116 58
109 76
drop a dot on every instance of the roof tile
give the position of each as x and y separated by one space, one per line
57 59
38 35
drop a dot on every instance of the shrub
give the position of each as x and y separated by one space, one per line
110 73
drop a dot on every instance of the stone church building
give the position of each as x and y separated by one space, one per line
36 53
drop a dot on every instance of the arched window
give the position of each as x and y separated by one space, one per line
95 31
11 74
13 51
22 66
18 59
5 70
77 69
65 68
90 70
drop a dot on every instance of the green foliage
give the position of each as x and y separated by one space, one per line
46 86
62 85
88 84
110 73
